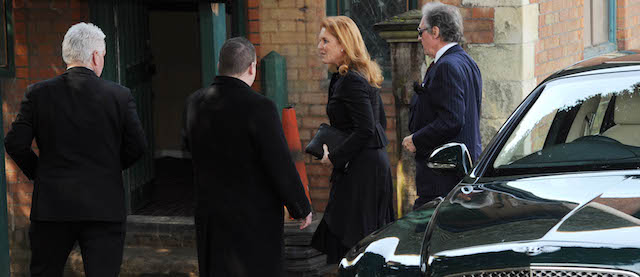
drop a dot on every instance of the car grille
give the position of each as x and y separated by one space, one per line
539 271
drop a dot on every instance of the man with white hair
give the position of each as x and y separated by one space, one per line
87 131
446 107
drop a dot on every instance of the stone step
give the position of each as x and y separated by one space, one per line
160 231
166 246
143 261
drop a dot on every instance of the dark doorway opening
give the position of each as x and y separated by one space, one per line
172 190
175 47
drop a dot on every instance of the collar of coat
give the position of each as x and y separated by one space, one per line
228 80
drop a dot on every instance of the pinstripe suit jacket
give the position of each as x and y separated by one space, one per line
447 110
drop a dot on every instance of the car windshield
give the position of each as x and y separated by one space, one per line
589 122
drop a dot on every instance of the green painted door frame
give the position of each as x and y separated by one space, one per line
213 33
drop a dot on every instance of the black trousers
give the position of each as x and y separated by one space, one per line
101 244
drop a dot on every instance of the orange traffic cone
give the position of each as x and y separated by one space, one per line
290 127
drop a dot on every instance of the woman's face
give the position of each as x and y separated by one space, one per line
329 48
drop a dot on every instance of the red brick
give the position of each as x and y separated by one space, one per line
319 204
466 12
318 170
318 181
387 98
254 26
20 186
18 4
253 14
390 110
479 37
487 13
254 38
79 4
22 73
19 15
19 198
478 25
457 3
58 5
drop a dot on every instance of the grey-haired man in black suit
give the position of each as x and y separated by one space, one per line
87 131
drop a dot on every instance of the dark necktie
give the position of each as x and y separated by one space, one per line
419 88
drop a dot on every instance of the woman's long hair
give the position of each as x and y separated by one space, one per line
356 55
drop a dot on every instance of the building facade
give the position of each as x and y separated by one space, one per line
166 49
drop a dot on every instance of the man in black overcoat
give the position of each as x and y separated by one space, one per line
87 131
446 107
243 171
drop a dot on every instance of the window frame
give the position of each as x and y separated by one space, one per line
9 69
611 45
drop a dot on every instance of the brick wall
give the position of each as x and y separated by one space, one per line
628 24
478 20
39 28
560 42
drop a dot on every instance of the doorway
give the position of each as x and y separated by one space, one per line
163 51
175 50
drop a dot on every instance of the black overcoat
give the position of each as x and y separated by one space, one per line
244 174
87 131
360 199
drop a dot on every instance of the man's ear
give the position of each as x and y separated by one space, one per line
252 69
435 31
94 58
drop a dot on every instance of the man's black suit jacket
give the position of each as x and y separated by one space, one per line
87 131
446 110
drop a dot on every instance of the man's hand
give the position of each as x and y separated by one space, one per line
407 142
325 159
306 222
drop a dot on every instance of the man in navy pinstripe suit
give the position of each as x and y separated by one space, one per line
446 107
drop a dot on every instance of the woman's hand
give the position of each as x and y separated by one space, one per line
325 159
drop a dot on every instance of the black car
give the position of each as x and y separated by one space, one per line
555 193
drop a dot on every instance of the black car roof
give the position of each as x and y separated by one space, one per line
618 60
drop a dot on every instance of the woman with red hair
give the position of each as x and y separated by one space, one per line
360 199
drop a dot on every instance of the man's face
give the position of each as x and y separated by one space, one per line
429 42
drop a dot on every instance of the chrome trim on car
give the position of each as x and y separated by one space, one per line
548 271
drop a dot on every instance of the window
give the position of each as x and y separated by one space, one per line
366 13
581 123
599 27
6 40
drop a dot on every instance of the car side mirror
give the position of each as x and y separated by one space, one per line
451 157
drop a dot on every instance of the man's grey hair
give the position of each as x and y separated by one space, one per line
80 41
236 55
447 18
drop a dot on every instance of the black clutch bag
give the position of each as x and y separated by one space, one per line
328 135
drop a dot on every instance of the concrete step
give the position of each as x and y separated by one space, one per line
166 246
145 262
160 231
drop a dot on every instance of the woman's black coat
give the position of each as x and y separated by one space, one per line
360 199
